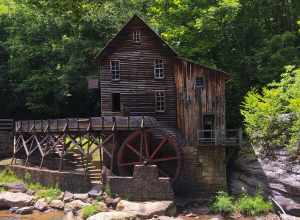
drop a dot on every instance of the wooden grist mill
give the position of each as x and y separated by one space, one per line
157 108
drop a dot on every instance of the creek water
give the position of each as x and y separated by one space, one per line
55 215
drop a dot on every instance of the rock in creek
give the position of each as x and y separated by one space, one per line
81 196
57 204
68 197
75 205
10 199
25 210
114 215
96 191
15 187
41 205
146 210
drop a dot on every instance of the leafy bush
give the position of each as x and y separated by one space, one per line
253 205
223 203
93 209
272 116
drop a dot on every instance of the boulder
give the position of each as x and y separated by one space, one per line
96 191
10 199
57 204
146 210
81 196
110 202
25 210
114 215
15 187
13 209
41 205
75 205
289 217
68 197
277 175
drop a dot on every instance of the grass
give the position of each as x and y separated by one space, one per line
49 193
7 176
93 209
245 204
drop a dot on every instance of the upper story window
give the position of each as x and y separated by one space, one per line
159 72
160 101
136 36
199 82
115 69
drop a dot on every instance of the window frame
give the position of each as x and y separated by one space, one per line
115 72
161 103
161 69
137 36
203 82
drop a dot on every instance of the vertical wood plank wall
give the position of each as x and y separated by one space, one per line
193 103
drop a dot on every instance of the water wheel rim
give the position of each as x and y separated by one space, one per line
149 154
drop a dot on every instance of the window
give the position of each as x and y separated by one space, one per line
159 69
160 101
199 82
136 35
116 102
115 69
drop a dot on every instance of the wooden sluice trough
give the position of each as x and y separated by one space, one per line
119 143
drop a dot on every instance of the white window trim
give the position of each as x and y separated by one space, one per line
136 36
119 69
161 68
164 104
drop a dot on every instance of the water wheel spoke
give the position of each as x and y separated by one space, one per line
165 159
134 150
130 163
159 146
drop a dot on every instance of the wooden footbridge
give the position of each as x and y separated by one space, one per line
118 143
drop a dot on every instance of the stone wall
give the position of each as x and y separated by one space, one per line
70 181
204 171
6 144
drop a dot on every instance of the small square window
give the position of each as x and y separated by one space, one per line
115 69
159 69
199 82
136 35
160 101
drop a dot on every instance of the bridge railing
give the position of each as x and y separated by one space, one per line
220 137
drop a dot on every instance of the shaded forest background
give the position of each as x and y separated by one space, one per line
47 48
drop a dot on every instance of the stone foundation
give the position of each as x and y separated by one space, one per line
204 171
145 185
70 181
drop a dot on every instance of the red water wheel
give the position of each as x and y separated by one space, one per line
141 147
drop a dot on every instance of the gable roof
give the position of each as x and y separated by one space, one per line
137 18
157 36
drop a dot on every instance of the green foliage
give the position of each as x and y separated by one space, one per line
272 116
107 190
253 205
93 209
50 193
223 203
7 176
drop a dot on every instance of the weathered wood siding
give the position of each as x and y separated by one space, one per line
137 85
193 103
